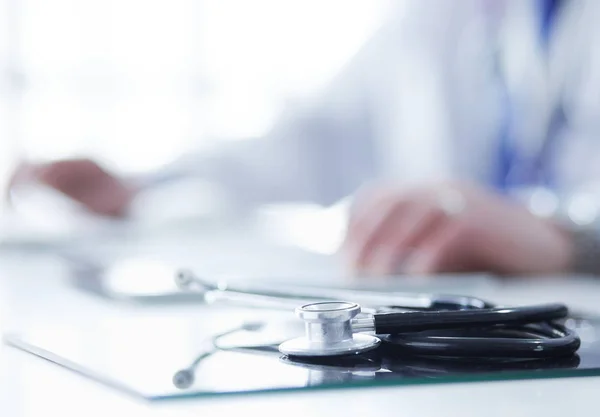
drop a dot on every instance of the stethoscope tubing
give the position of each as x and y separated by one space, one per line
416 321
531 341
498 332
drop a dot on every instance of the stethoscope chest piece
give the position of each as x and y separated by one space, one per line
329 331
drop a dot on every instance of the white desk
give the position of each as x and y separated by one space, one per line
33 288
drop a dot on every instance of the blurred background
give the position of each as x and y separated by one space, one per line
285 108
137 84
106 78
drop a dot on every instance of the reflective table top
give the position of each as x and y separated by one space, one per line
227 350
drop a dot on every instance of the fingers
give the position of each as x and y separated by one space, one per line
369 229
442 251
386 231
112 202
400 244
84 181
408 232
68 175
367 203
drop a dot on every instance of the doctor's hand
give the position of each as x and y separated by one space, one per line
450 228
82 180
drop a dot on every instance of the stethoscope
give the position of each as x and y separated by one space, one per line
415 324
373 365
521 332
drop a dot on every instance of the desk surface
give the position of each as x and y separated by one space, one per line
34 289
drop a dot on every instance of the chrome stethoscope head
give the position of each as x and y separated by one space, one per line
329 331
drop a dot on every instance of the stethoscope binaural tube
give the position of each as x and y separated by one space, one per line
518 332
288 297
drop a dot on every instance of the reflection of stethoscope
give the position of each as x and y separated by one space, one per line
359 368
416 324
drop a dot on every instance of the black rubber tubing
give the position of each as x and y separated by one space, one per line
416 321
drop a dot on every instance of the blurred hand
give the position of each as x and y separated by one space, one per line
82 180
449 228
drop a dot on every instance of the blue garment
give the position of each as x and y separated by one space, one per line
513 169
548 10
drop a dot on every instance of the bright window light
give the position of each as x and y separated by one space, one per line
138 82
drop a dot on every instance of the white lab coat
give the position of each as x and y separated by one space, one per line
422 101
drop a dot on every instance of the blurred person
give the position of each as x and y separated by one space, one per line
476 122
